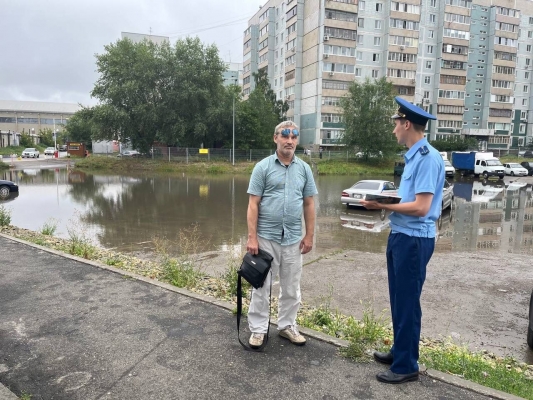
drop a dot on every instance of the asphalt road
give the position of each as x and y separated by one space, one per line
69 330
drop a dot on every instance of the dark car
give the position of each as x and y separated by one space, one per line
530 329
529 166
7 188
528 154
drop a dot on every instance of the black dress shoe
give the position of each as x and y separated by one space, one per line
384 358
391 377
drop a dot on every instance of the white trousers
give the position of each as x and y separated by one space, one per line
288 264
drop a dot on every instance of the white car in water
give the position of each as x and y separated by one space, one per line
515 169
353 196
30 153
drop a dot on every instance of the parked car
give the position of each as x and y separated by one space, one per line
530 329
447 195
7 189
529 166
353 196
360 154
528 154
49 151
515 169
129 153
449 169
30 153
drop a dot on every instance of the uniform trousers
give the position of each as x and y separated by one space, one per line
407 258
288 264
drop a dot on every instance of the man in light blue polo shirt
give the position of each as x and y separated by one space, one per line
281 188
411 241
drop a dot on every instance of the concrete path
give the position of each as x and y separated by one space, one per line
69 330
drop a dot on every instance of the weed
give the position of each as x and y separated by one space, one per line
227 286
79 244
180 274
25 396
49 227
113 261
5 216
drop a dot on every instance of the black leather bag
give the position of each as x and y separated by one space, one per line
254 269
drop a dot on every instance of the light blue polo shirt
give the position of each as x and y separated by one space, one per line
282 190
422 174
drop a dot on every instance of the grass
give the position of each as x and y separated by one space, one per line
3 166
5 216
49 227
25 396
79 244
6 151
337 167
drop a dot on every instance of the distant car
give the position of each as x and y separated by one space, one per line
449 169
447 195
7 189
129 153
515 169
63 147
529 166
353 196
360 154
30 153
530 329
528 154
49 151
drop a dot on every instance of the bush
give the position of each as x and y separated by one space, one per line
5 216
455 143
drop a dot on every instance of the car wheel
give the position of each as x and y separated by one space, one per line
4 192
382 214
530 329
348 206
485 175
512 173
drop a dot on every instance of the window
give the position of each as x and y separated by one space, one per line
263 16
375 57
507 11
340 33
379 7
361 23
335 85
341 51
530 20
526 88
505 41
454 49
427 80
290 75
338 67
402 57
451 94
498 69
456 34
401 73
528 61
432 18
502 26
500 55
291 13
433 3
290 29
341 15
404 24
359 56
429 64
524 102
460 3
335 118
460 19
443 109
406 91
362 6
290 60
430 49
407 8
331 101
264 31
375 73
377 41
377 24
449 124
403 41
358 72
360 39
263 58
448 64
500 98
247 44
431 34
426 95
526 75
528 48
497 112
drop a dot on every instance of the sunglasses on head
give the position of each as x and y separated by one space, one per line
286 132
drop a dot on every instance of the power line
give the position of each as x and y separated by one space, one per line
210 26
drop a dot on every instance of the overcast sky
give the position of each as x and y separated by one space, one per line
47 47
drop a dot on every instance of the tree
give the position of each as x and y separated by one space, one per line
456 143
46 137
262 112
81 127
158 92
367 111
26 140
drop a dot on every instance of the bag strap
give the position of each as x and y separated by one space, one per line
239 313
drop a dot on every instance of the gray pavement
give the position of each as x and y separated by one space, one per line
69 330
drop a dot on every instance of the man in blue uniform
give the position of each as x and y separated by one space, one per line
411 241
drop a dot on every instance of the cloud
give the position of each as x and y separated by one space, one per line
48 54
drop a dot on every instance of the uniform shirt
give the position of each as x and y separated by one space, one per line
282 190
423 173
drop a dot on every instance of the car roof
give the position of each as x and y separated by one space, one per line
372 180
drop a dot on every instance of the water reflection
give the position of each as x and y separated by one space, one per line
127 212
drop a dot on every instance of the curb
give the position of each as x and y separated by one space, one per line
438 375
6 394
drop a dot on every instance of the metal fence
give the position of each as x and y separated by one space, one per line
192 155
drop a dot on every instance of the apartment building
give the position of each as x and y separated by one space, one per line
467 61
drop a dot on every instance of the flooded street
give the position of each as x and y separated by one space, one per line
479 280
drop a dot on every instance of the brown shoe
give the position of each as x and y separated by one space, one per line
291 333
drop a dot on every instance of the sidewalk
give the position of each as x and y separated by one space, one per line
69 330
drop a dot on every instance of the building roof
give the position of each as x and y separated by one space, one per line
38 107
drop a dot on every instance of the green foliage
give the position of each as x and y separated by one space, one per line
151 92
79 243
80 128
5 216
49 227
367 109
25 140
46 137
455 143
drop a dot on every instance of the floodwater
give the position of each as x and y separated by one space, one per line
127 213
